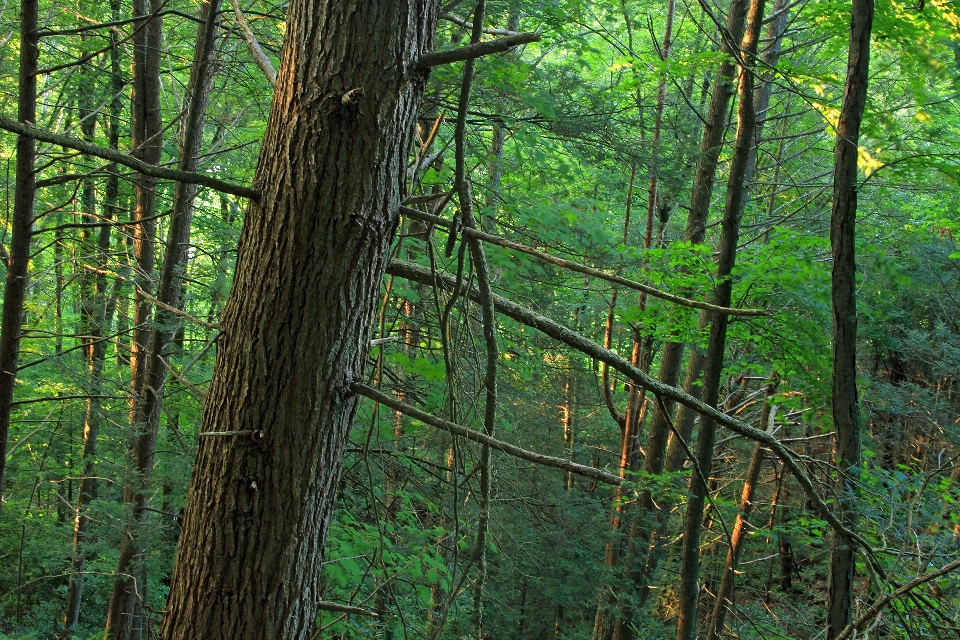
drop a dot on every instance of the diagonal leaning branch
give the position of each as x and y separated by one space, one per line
125 159
482 438
557 331
579 268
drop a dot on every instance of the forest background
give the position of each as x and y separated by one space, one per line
624 190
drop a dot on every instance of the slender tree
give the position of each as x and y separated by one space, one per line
846 409
15 289
125 600
689 587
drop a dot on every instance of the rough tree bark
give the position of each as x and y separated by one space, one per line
296 328
15 289
846 410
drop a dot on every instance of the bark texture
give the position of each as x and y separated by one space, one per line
296 328
846 410
15 289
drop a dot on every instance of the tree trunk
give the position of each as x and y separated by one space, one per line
671 359
94 324
15 290
689 588
124 601
846 410
145 131
695 230
767 421
297 325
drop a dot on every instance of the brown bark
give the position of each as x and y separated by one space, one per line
15 289
694 233
846 410
125 600
689 587
297 325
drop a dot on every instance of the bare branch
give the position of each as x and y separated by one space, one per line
255 49
574 266
557 331
126 160
344 608
472 51
905 589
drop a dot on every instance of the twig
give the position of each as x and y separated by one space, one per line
175 311
476 436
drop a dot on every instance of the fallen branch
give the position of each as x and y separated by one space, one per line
126 160
476 436
579 268
500 45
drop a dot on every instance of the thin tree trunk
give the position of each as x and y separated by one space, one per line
671 359
93 326
846 409
125 606
694 233
689 587
297 325
15 288
145 130
767 421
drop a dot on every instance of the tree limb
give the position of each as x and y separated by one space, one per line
472 51
125 159
344 608
574 266
885 600
262 60
476 436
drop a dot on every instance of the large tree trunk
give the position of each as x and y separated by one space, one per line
297 324
846 411
16 285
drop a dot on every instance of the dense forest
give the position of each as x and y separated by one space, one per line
413 319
